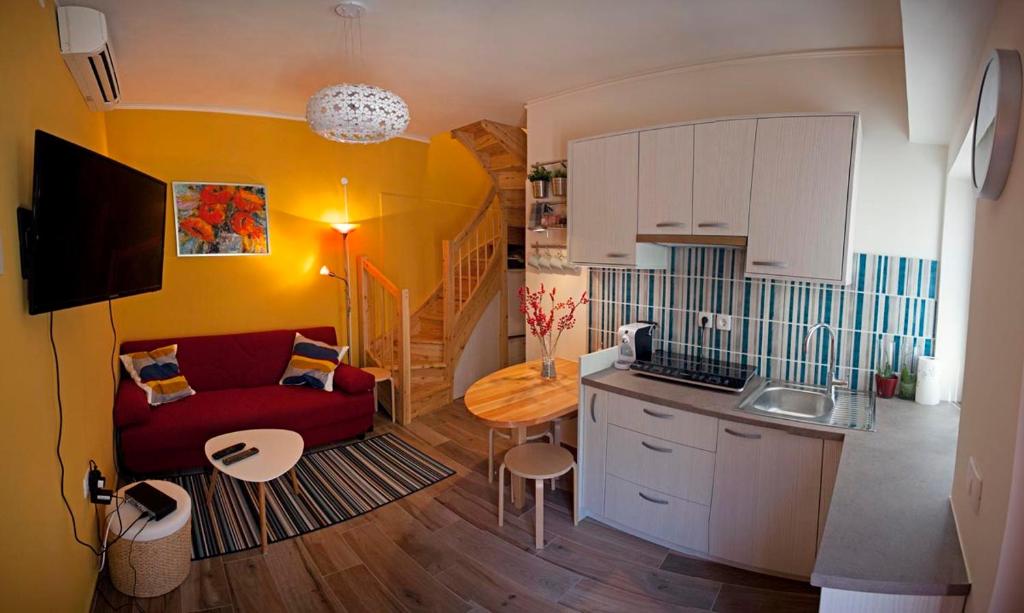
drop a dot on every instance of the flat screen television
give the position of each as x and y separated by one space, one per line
95 231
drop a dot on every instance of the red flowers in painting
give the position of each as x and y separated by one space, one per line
213 213
561 316
222 219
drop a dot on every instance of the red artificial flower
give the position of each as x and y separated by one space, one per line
543 322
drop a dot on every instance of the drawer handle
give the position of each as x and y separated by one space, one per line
742 434
670 224
593 415
655 447
616 255
649 499
657 414
770 263
713 224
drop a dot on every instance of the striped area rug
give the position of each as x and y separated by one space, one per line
335 485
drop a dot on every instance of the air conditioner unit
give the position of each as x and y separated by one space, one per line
86 50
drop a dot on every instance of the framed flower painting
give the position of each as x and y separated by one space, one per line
221 219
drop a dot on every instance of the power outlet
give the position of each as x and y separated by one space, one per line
974 483
706 319
85 484
723 322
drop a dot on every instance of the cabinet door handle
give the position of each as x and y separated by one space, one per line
770 263
713 224
593 415
670 224
655 447
657 414
649 499
742 434
616 255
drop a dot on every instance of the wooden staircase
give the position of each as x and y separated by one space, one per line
423 347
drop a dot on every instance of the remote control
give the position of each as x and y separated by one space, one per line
228 450
241 455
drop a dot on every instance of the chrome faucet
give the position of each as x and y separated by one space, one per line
831 381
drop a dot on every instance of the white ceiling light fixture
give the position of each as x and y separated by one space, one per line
356 113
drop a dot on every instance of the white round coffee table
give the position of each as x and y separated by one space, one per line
280 451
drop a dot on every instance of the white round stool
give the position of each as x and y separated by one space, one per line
152 557
537 461
381 375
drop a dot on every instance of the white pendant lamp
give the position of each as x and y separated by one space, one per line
356 113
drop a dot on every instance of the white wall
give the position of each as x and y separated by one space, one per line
900 185
481 356
992 396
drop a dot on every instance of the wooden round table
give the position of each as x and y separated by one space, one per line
516 398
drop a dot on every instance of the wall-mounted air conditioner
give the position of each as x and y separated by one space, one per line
85 46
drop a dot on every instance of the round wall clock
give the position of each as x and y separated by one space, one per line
995 122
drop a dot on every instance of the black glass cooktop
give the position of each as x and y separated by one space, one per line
695 370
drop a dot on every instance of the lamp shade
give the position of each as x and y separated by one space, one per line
345 228
360 113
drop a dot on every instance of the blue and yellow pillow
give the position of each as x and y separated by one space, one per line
313 364
157 373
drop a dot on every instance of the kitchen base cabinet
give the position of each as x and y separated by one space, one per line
658 514
764 512
593 444
843 601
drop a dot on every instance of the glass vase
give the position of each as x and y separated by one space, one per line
547 368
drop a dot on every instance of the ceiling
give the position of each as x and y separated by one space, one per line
454 61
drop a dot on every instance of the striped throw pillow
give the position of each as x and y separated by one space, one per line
157 373
313 364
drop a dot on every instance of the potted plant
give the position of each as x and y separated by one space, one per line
908 383
886 380
548 323
559 180
540 178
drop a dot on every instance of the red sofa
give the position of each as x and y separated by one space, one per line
235 377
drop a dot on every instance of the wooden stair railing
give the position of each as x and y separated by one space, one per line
474 265
385 329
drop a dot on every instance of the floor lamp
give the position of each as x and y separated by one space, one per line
325 271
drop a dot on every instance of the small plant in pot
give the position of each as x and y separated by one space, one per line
559 180
886 381
540 179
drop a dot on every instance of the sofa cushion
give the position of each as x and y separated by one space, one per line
312 364
156 373
229 361
273 406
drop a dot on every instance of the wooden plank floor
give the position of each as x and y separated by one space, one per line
441 550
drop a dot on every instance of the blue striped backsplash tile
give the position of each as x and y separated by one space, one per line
889 297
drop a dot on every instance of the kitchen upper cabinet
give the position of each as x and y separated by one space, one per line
666 181
764 507
603 204
723 162
800 197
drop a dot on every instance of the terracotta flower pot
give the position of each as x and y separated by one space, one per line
885 387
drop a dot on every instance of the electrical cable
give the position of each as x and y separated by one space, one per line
60 436
113 379
135 572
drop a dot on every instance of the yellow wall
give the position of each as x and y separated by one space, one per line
408 195
41 568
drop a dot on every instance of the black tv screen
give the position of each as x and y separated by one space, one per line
96 230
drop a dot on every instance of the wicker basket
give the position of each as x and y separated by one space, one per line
160 565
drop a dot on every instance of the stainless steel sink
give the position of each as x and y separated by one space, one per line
846 409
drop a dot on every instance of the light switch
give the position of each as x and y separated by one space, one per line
974 485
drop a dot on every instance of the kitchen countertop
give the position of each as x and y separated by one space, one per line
890 527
